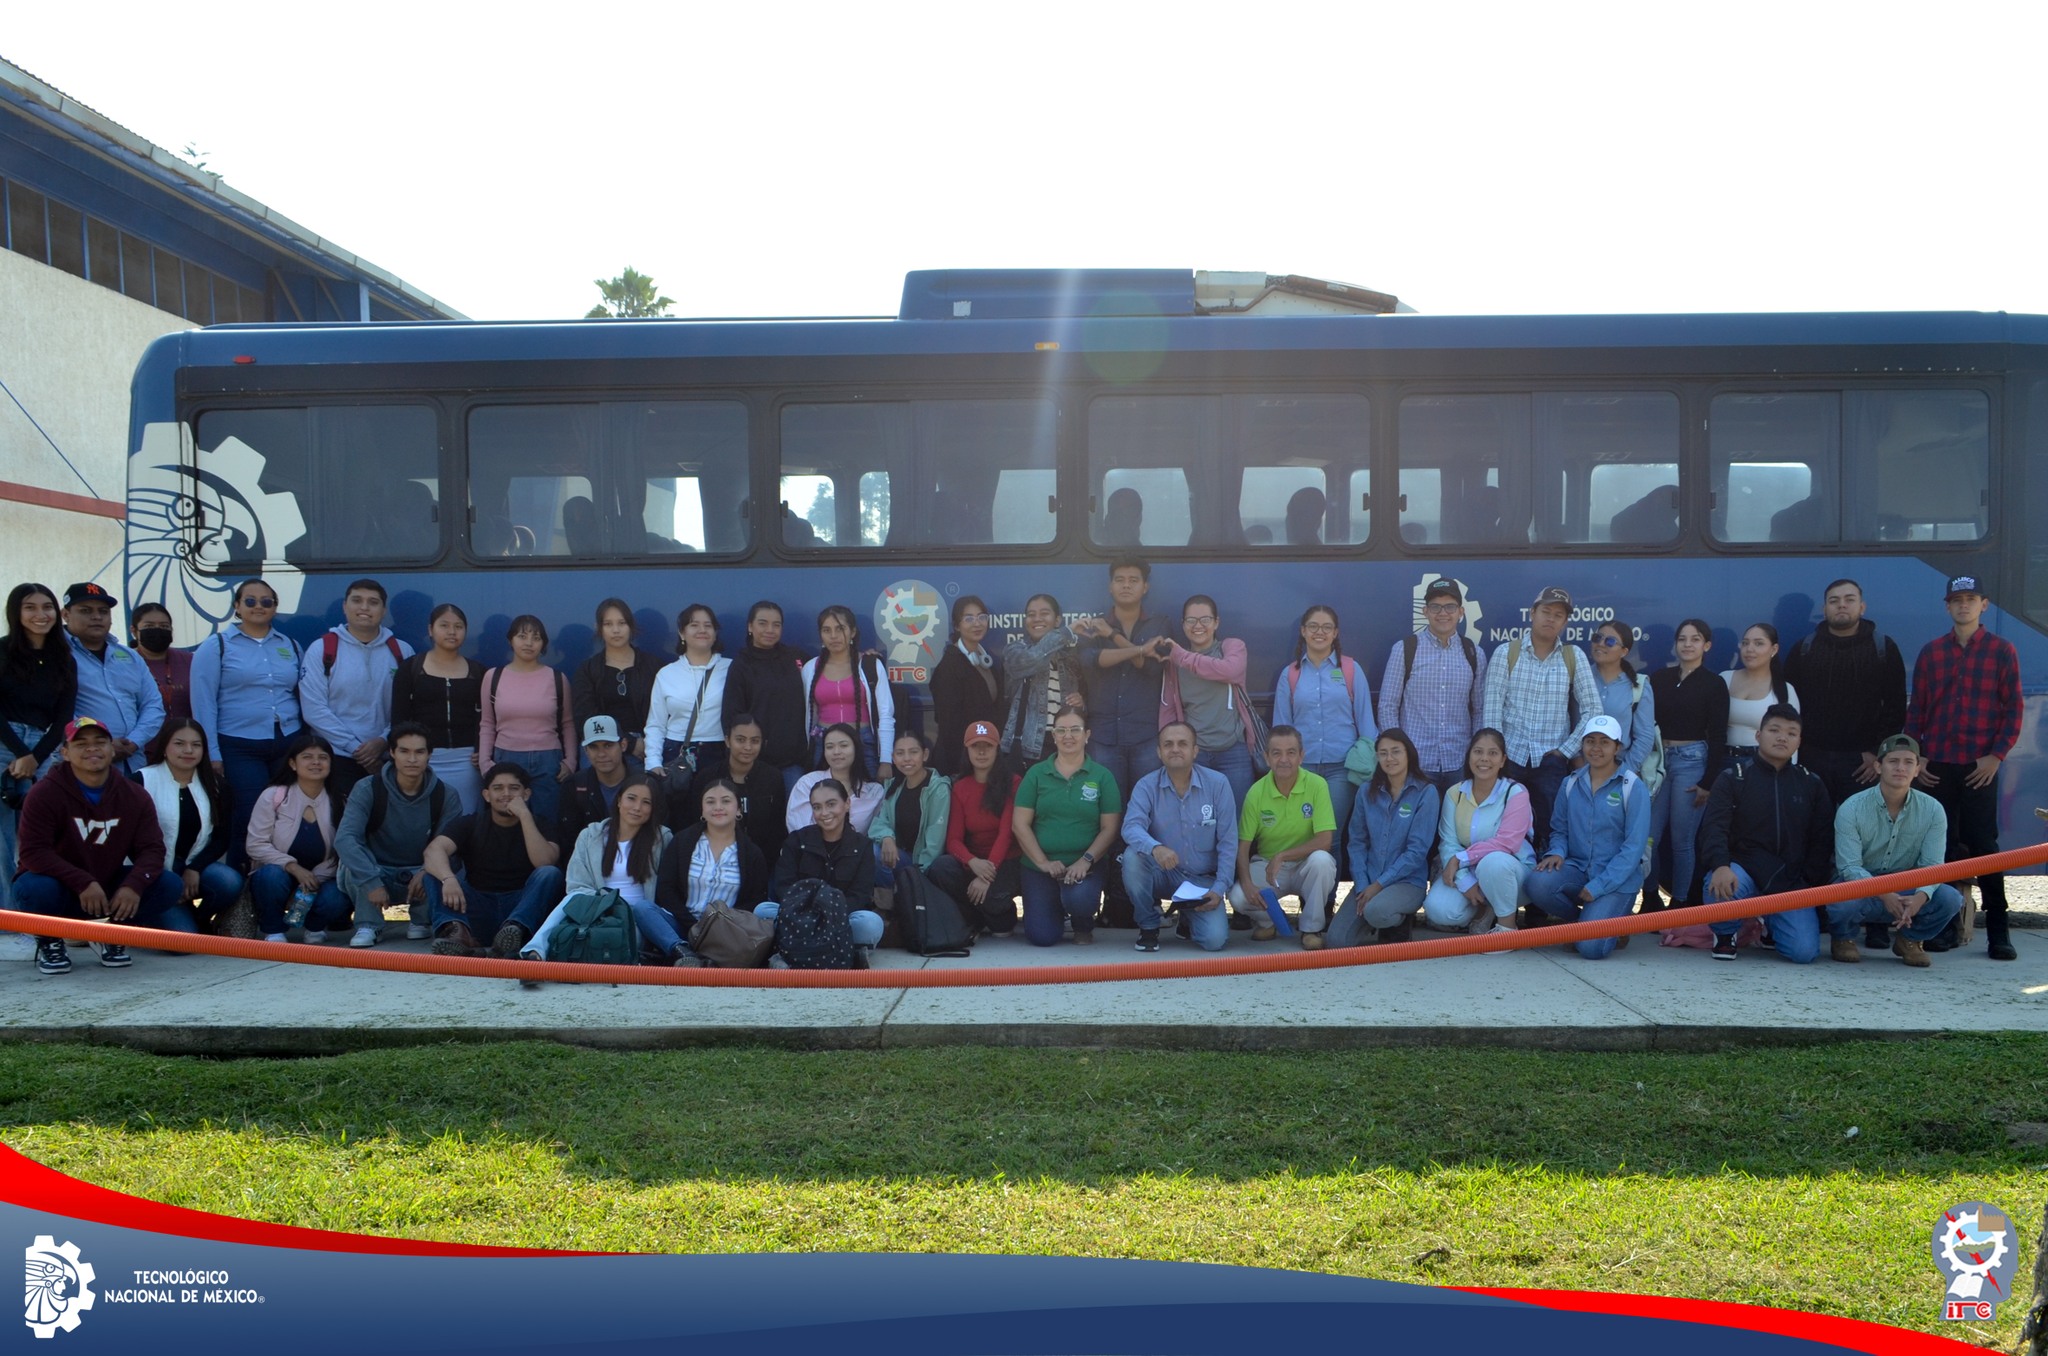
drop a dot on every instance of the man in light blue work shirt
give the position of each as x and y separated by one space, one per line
1180 827
1892 827
115 687
345 686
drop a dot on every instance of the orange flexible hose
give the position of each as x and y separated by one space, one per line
157 939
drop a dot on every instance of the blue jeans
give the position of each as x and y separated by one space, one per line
489 910
1126 762
541 765
1796 934
271 889
396 880
1147 882
1235 763
1047 903
866 923
46 895
1557 894
1847 919
1675 820
248 765
219 887
1342 794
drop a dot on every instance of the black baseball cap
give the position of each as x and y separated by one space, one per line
1553 594
88 593
1966 583
1442 588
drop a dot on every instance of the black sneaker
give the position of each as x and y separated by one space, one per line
111 956
1148 939
51 956
1724 948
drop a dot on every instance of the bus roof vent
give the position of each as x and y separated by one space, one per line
1037 294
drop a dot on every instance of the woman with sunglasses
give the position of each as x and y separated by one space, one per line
245 693
967 685
1625 694
618 680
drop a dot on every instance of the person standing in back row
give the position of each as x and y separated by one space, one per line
345 685
245 694
1435 687
1965 713
1539 693
1204 686
1121 676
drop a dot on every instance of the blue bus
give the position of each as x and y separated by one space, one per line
1013 432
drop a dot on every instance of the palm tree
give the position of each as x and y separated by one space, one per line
626 296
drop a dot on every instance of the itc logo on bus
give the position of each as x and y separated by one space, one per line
910 618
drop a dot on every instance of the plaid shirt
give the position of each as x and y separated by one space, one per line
1531 705
1442 703
1966 699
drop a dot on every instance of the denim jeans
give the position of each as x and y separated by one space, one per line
1847 919
1126 762
9 815
219 887
866 923
396 881
46 895
541 765
489 910
1675 819
1048 902
271 889
1342 794
248 765
1147 882
1796 933
1557 894
1235 763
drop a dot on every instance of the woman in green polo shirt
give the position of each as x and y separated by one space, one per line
1066 817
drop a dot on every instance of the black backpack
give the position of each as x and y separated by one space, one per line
813 929
597 928
927 919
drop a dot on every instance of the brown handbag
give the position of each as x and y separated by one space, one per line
726 938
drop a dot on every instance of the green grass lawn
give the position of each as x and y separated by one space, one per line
1805 1178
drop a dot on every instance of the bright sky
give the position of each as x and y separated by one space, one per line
798 159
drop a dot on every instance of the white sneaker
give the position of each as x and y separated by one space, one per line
315 938
364 937
417 932
273 936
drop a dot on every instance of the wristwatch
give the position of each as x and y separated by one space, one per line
1088 857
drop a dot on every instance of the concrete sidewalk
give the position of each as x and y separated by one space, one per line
1645 997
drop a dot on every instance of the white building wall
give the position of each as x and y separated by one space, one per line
68 350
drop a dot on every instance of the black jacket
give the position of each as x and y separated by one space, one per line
848 864
594 691
582 804
769 685
672 883
1778 824
959 698
1852 695
762 804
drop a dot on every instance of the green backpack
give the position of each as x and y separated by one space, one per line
596 929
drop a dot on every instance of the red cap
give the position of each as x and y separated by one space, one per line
981 732
72 730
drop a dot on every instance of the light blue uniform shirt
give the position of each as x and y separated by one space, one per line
1329 718
1200 827
116 689
1390 836
1639 718
245 687
1603 831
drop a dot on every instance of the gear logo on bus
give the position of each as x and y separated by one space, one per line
1474 613
910 617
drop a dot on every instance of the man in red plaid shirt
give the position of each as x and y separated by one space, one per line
1965 711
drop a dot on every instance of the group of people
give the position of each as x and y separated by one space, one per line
1119 753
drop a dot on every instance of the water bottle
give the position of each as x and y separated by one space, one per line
302 904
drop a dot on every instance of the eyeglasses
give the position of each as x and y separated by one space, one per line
1607 641
1320 628
251 600
1070 731
1443 609
978 618
1197 621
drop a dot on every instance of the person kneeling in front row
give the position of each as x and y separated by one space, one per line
1892 827
829 850
1598 834
1393 823
623 852
494 874
1180 829
1284 830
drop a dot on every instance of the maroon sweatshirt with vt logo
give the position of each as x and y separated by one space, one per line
76 843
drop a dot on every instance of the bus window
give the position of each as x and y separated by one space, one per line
808 512
920 473
1269 469
616 480
1464 462
366 480
1604 467
1773 464
1920 463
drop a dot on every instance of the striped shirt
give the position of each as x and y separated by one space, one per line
713 877
1529 702
1441 705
